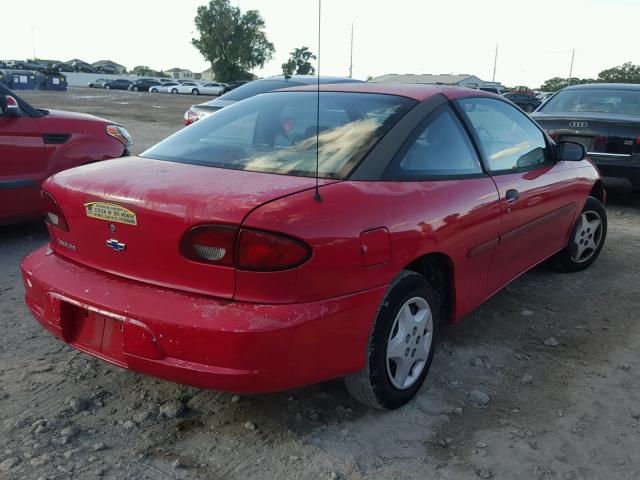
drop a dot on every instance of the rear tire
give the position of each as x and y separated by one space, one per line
174 90
401 344
587 238
108 87
195 91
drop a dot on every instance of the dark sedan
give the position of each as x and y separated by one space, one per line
120 84
605 118
144 84
525 101
254 88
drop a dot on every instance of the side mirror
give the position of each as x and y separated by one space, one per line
571 152
9 106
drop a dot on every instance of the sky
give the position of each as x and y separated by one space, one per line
535 39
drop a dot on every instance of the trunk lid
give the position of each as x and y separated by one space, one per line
602 134
127 216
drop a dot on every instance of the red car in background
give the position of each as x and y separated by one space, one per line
215 260
35 144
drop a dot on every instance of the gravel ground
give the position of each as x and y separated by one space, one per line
541 382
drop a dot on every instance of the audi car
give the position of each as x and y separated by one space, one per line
296 237
36 143
605 119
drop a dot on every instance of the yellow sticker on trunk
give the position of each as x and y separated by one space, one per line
110 212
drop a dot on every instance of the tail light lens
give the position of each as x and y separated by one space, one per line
190 117
210 244
244 249
266 251
52 211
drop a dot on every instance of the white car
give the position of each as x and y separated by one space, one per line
164 88
209 88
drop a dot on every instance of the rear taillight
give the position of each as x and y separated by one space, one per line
189 117
245 249
52 211
267 251
638 140
210 244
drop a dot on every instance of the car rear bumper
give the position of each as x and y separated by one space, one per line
618 171
194 339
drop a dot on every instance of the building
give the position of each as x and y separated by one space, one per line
207 74
461 80
108 66
183 74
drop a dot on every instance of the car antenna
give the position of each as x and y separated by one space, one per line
317 194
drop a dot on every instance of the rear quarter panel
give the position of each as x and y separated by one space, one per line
452 217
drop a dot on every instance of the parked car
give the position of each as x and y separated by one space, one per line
119 84
233 85
186 87
209 88
526 101
36 143
164 87
143 85
256 87
605 118
233 267
99 83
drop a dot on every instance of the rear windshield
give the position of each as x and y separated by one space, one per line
624 102
276 132
254 88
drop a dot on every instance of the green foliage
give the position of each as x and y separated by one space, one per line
298 63
232 42
626 73
143 71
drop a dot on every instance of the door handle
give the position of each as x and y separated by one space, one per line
512 195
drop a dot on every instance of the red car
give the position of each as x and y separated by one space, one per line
213 260
35 144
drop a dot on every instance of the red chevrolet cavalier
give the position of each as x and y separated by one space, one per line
213 261
36 143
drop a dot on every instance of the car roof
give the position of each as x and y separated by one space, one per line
416 91
309 79
605 86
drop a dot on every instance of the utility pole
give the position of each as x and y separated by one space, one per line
495 63
351 56
33 42
573 54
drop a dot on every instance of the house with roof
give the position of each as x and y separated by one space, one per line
460 80
108 66
183 74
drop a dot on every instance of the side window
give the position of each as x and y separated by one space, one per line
508 139
441 148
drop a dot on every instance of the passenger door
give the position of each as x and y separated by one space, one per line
22 166
538 195
456 205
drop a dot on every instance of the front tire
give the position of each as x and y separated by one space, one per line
401 344
195 91
587 238
108 87
175 90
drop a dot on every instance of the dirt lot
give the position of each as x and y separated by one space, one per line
557 410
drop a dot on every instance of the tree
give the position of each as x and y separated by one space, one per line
626 73
232 42
298 63
557 83
143 71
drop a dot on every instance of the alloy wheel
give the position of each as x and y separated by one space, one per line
409 343
588 236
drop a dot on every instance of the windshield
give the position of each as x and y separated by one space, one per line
276 132
626 102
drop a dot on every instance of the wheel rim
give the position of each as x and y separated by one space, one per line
409 343
588 236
